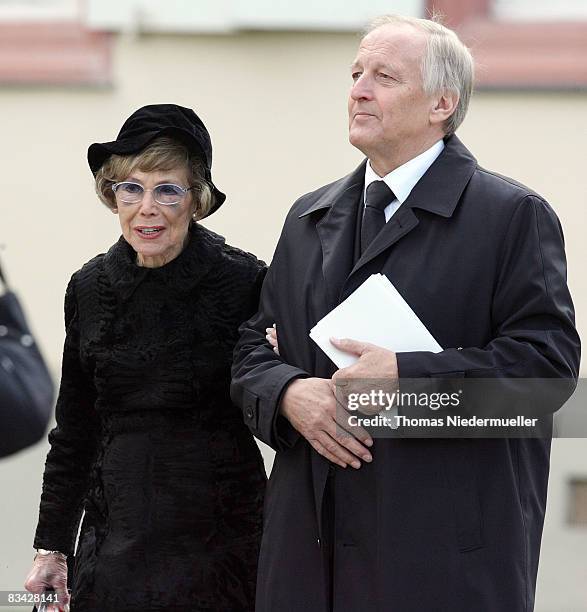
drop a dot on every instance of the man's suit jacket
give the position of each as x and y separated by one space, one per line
430 525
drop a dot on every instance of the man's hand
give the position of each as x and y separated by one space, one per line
374 363
309 405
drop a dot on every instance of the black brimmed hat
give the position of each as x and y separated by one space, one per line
153 121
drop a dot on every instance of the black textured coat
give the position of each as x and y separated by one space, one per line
429 525
147 440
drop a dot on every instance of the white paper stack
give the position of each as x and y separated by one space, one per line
375 313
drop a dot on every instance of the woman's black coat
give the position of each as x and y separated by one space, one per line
148 442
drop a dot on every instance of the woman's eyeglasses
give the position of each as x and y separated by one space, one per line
166 194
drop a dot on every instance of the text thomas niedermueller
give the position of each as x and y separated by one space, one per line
399 420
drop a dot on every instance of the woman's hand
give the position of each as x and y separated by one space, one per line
272 337
49 572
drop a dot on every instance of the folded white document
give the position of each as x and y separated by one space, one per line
375 313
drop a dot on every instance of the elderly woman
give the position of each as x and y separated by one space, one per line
147 441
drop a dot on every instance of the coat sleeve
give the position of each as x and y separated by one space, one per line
259 376
534 333
73 445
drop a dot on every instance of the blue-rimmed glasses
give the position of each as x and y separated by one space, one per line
166 194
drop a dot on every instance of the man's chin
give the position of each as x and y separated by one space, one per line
358 141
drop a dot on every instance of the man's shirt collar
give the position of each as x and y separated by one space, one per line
403 179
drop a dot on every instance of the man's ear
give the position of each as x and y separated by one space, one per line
443 107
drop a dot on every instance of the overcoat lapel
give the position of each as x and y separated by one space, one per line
336 230
403 222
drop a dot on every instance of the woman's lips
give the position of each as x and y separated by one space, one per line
149 233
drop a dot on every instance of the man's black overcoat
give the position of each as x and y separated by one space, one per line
429 525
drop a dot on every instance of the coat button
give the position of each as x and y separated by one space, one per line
249 412
318 542
27 340
3 330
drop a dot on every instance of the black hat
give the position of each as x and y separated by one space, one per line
150 122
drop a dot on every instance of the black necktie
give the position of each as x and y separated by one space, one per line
379 195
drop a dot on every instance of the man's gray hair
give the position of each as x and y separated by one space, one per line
447 64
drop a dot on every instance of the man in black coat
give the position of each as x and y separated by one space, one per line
354 524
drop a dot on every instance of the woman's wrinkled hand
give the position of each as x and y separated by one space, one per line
49 572
272 337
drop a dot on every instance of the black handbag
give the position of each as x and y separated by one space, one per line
26 388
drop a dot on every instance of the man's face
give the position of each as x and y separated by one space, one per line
388 110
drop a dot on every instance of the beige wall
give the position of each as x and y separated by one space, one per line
275 105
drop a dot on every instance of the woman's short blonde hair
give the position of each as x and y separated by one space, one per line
162 154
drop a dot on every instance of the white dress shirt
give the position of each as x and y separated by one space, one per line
403 179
